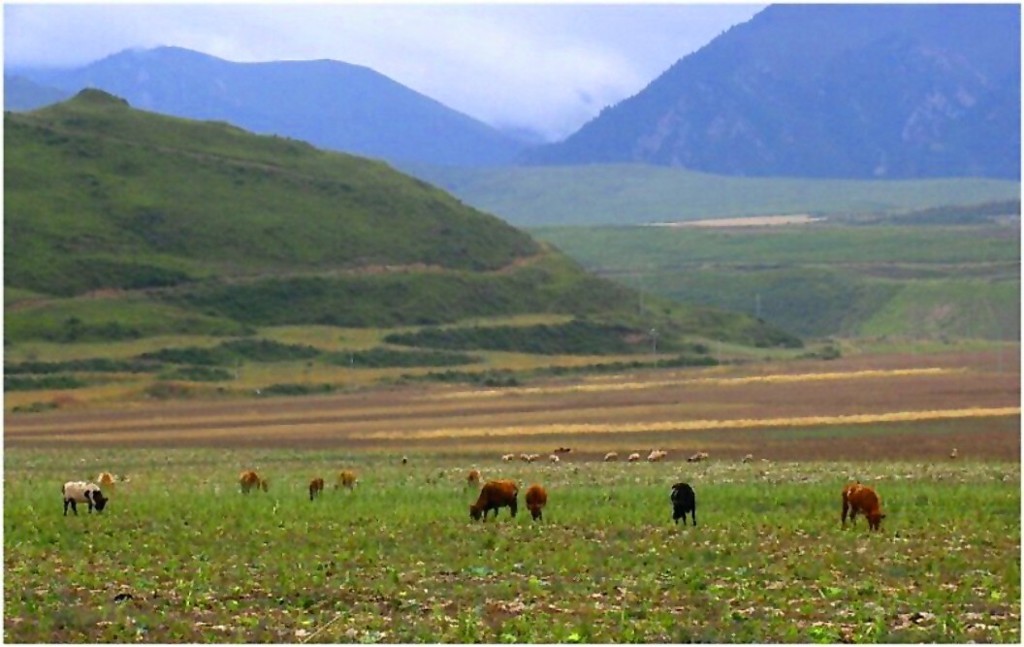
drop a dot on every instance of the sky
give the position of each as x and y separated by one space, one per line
547 68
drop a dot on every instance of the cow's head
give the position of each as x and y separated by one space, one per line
474 513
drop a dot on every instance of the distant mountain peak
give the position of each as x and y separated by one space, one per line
854 91
330 104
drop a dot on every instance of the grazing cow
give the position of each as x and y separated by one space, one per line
536 499
473 478
861 498
346 478
748 458
634 457
563 450
250 479
611 456
494 495
106 481
76 492
683 500
316 486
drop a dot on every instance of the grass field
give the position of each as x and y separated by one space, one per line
398 559
625 194
823 279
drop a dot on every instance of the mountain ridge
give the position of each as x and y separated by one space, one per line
796 91
331 104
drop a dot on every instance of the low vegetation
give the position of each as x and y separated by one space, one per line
179 555
636 194
844 278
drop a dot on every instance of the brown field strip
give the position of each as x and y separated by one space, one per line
779 378
726 407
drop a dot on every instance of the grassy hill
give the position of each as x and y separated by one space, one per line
128 232
914 276
619 194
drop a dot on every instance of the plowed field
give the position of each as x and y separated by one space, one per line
891 407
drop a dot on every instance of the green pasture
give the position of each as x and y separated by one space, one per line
959 282
627 194
398 559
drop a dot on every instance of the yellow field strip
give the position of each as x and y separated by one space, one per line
322 430
689 425
778 378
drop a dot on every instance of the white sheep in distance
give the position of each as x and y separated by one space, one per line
634 457
611 456
656 455
76 492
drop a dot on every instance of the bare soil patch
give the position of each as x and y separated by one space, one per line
748 221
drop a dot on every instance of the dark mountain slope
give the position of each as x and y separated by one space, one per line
851 91
328 103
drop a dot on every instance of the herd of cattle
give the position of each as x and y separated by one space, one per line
494 494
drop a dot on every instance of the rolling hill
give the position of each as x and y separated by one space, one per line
121 224
330 104
828 90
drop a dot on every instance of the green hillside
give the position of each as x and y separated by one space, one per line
619 194
920 280
123 226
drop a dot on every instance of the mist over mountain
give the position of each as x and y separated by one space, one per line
330 104
855 91
21 93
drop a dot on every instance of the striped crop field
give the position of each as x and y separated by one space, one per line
179 554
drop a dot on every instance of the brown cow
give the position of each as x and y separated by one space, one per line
346 478
536 499
861 498
106 481
494 495
250 479
316 486
473 478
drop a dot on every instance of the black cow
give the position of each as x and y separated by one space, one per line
683 501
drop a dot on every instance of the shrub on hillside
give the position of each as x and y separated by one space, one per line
577 337
386 357
22 383
91 365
